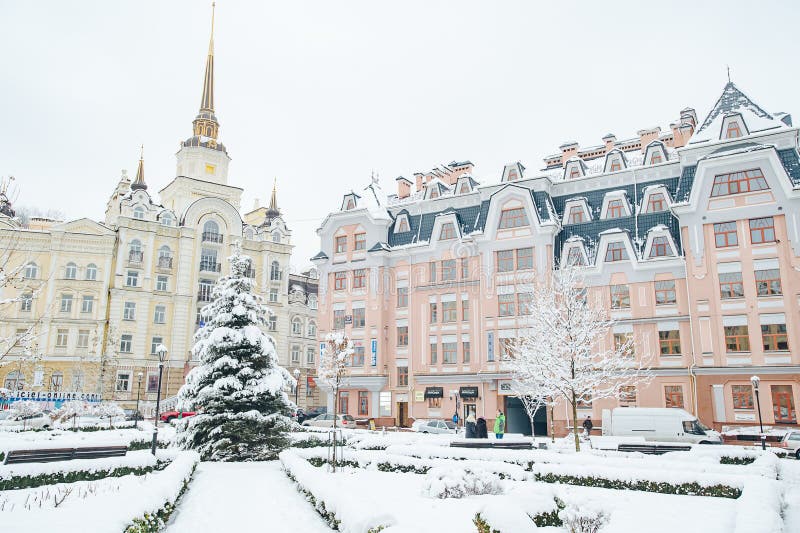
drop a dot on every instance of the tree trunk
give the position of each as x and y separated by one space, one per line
575 422
335 398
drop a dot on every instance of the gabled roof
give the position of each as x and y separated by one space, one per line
733 100
321 255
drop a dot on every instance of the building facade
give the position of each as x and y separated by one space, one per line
302 337
104 295
688 236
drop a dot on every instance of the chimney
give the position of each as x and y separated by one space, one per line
609 139
568 149
418 179
403 187
647 136
256 203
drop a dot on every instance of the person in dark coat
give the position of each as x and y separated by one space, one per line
469 427
587 426
480 429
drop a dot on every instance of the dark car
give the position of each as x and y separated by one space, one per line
132 415
311 413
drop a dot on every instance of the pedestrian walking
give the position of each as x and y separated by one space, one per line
587 426
470 427
481 429
499 425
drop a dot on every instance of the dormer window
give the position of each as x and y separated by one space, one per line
661 247
513 218
656 158
575 215
434 193
512 174
733 130
615 166
464 188
167 219
575 257
138 213
616 252
351 204
615 209
656 203
574 173
402 224
448 231
341 244
739 182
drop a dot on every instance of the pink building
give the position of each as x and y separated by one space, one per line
689 236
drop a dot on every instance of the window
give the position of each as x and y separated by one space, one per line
272 323
524 300
132 279
615 165
138 213
448 231
359 317
402 297
774 338
656 203
154 343
574 173
665 292
507 347
402 376
434 357
783 404
338 319
129 311
167 219
768 282
312 301
312 329
161 283
275 271
87 304
206 288
465 349
297 327
736 339
135 253
762 230
742 396
616 252
432 271
673 396
465 310
344 396
730 285
449 353
575 257
165 257
513 218
623 343
360 240
211 232
91 272
524 258
725 234
449 311
26 302
620 297
125 342
66 303
152 382
615 209
402 225
402 335
71 272
358 355
627 394
359 278
123 382
733 130
433 313
739 182
208 260
341 244
656 159
295 354
62 336
276 237
340 281
31 271
83 338
464 268
505 260
669 342
273 296
449 270
310 356
660 247
363 403
506 305
160 315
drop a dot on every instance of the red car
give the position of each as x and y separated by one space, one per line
168 416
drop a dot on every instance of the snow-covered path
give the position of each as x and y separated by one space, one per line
244 497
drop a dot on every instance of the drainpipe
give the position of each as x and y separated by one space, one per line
691 368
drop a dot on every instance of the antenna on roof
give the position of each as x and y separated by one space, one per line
728 67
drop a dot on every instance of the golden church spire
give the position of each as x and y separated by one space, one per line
273 201
139 183
205 123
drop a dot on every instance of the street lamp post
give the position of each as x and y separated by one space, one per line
139 377
296 385
755 380
161 351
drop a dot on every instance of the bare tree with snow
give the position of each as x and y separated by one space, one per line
333 369
567 352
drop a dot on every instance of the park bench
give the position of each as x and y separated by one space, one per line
654 449
483 443
49 455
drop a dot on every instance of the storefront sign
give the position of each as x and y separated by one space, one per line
419 396
44 396
374 347
468 393
310 383
348 319
434 392
490 346
744 417
504 388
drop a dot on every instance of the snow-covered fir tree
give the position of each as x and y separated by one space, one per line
238 388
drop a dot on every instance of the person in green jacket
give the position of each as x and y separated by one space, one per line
499 425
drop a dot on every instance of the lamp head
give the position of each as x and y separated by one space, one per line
296 373
755 380
139 376
161 351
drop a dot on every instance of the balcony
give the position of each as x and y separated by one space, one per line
210 236
210 266
276 275
165 263
135 257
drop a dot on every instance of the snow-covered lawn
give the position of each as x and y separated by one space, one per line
27 440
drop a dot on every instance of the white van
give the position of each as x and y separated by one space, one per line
657 424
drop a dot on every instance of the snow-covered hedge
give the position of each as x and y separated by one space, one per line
451 482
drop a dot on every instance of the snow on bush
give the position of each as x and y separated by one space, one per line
583 519
26 408
108 410
71 410
454 482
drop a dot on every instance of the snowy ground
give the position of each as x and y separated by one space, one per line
244 497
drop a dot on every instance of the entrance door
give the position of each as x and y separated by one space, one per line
402 414
470 409
783 404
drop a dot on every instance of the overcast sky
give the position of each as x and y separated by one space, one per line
319 94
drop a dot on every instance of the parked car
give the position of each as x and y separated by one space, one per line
314 412
132 415
11 420
437 426
417 423
791 441
168 416
326 421
657 424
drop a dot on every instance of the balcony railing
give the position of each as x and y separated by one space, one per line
210 266
210 236
165 262
276 275
135 256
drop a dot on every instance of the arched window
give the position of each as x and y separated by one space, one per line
31 271
297 327
164 257
138 213
71 271
136 245
211 232
312 302
167 219
275 271
135 254
91 271
77 380
56 381
312 329
14 381
164 251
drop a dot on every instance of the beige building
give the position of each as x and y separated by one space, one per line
104 294
302 337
